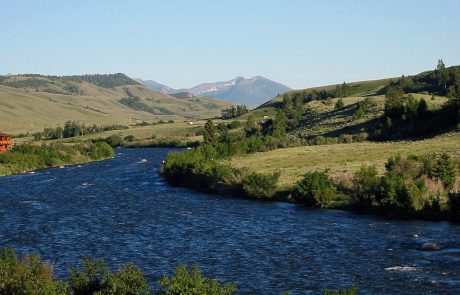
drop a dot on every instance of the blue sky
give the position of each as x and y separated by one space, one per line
184 43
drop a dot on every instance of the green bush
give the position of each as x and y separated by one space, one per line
339 104
27 276
261 186
193 283
366 187
445 170
129 138
96 278
402 187
316 189
100 150
114 140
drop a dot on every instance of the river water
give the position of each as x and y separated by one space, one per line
122 210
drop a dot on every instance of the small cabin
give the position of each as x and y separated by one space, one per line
5 142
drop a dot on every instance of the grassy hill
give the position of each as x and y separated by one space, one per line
323 124
31 102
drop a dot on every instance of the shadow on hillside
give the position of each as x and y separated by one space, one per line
341 116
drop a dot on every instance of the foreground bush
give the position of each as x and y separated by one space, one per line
27 276
193 283
316 189
31 276
96 278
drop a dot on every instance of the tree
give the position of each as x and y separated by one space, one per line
339 104
394 103
410 107
345 89
210 132
405 83
280 125
442 75
251 127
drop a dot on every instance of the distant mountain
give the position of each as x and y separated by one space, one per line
156 86
251 92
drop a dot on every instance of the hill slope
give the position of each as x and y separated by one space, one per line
32 102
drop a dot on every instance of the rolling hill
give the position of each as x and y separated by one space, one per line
31 102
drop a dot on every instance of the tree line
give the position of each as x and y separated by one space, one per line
30 157
73 129
234 112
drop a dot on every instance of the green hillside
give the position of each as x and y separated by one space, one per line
362 103
30 103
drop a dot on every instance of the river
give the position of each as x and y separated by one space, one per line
122 210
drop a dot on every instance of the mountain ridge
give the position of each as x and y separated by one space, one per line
251 91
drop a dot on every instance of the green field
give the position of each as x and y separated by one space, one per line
295 162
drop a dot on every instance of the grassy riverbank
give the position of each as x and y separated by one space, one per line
25 158
294 162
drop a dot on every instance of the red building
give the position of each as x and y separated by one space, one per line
5 142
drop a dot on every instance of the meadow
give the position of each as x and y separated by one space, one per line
294 162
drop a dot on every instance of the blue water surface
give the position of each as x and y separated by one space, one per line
122 210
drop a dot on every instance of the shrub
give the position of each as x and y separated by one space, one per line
27 276
100 150
96 278
193 283
399 192
129 138
260 186
316 189
339 104
445 170
367 185
114 140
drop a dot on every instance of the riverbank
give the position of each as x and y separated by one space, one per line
26 158
422 186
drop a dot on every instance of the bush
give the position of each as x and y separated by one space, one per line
367 185
96 277
193 283
445 170
114 140
316 189
339 104
100 150
129 138
400 192
27 276
261 186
